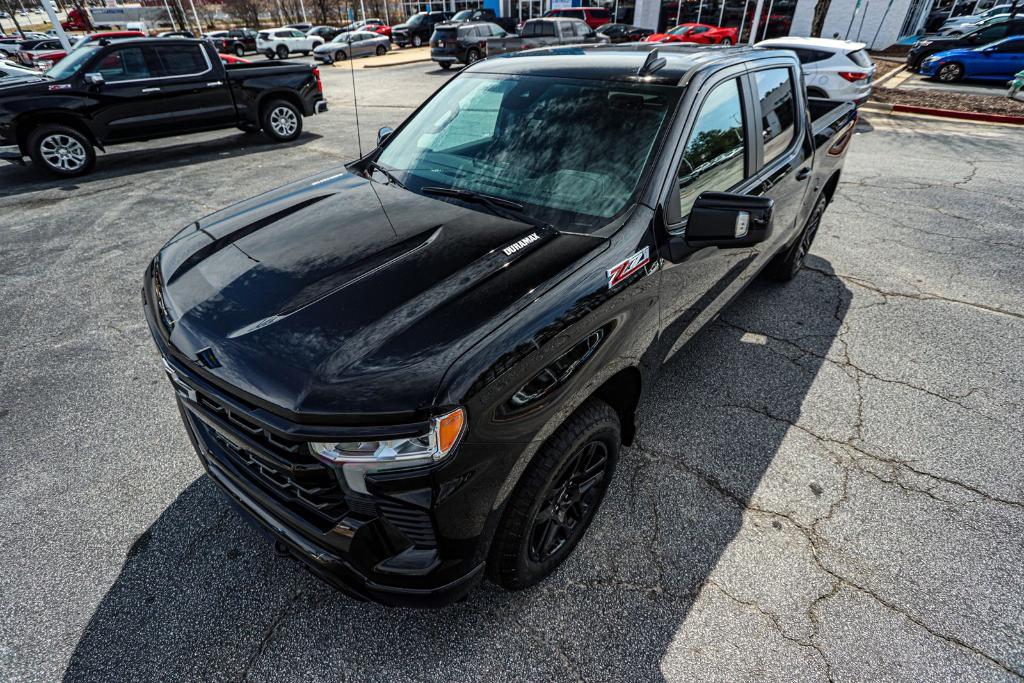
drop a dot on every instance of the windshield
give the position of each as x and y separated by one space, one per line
464 15
418 19
70 65
679 30
571 151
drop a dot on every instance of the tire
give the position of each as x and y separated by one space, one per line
340 56
472 55
281 120
239 50
785 266
269 54
950 72
381 50
550 510
726 41
282 52
445 65
61 151
304 53
417 41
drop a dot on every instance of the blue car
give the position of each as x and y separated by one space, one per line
997 61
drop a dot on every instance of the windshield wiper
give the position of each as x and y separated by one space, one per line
506 208
390 176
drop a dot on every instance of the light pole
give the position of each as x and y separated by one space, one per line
757 21
64 42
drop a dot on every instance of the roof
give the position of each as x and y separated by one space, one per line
823 43
619 62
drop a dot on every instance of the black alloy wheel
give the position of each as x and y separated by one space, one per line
785 266
569 502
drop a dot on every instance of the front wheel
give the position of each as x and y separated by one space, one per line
950 73
381 50
239 50
281 121
445 65
785 266
417 41
282 52
340 56
61 151
726 41
269 54
556 499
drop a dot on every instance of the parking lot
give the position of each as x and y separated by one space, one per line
826 484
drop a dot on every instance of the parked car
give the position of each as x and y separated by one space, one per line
140 89
46 54
833 69
548 32
998 61
418 29
361 43
178 34
12 71
426 366
967 27
328 33
9 45
623 33
464 42
237 41
952 22
983 36
508 24
232 59
696 33
299 27
591 16
281 42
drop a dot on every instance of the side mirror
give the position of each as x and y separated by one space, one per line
383 135
94 78
719 219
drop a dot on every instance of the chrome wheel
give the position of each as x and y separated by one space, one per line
284 121
63 152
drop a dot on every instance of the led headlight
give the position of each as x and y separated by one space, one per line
356 458
44 64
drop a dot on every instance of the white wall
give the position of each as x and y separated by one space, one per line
865 23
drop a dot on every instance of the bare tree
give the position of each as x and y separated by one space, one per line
818 21
245 11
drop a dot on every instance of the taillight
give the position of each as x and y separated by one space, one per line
853 76
319 83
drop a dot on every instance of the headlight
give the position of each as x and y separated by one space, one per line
922 43
44 64
357 458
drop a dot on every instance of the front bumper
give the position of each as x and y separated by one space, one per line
405 544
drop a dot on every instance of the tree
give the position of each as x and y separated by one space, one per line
818 21
246 11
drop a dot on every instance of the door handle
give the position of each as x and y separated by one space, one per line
214 84
151 90
803 173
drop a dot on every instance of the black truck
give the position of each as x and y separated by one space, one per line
140 89
508 24
418 29
419 369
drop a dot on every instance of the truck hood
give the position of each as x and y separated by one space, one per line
24 85
322 301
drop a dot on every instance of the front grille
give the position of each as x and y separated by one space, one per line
283 468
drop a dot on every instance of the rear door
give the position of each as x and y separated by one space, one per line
193 88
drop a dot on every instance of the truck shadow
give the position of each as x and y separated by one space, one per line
143 158
201 596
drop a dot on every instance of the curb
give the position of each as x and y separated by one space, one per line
891 74
884 108
384 66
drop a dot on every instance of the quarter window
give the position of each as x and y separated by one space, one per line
778 111
715 157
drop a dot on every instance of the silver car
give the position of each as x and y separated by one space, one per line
352 44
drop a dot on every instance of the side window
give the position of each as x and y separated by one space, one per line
778 111
181 60
1011 46
714 158
698 29
126 64
546 29
529 30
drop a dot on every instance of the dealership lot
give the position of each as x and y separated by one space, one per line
826 483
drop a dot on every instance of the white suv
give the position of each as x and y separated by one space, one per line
834 69
281 42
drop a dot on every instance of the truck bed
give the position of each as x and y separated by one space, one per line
831 120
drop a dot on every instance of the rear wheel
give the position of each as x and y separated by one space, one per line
785 266
282 52
381 50
281 121
445 65
556 499
416 41
61 151
950 73
239 50
269 54
473 55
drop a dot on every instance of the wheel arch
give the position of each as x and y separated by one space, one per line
25 124
268 97
831 185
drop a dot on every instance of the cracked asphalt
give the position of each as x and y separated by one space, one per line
827 483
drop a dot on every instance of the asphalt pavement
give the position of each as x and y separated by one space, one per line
826 482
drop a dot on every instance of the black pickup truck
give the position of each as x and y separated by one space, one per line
420 368
140 89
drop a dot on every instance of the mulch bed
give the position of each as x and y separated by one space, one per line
949 100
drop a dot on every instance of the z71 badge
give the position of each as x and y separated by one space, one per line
623 270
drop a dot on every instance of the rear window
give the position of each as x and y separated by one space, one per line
807 56
444 33
860 58
778 111
536 29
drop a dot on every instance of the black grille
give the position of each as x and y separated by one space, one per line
283 468
414 524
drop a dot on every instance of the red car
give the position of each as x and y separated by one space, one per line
594 16
45 58
377 26
232 59
695 33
